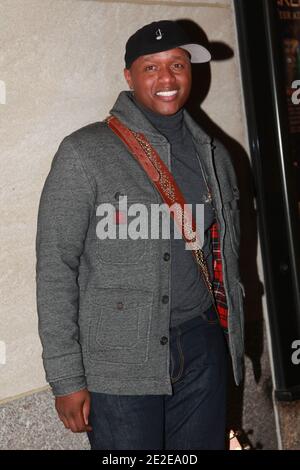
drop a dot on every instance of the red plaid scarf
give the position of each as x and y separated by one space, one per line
218 286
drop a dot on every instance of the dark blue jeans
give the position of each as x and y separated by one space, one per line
192 418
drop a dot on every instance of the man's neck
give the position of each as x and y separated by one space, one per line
171 126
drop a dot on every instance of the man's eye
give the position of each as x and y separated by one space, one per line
149 67
178 66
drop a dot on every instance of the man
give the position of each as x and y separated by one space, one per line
133 346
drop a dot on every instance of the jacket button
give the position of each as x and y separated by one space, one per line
165 299
166 256
163 340
120 305
118 195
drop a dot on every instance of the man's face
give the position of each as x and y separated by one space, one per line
162 81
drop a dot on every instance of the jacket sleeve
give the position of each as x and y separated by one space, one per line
63 220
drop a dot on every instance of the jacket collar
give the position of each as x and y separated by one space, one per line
129 114
197 132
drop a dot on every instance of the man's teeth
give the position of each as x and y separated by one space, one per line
167 93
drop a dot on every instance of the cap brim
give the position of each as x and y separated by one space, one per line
199 54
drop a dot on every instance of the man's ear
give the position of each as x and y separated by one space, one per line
128 78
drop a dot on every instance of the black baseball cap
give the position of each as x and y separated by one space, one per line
161 36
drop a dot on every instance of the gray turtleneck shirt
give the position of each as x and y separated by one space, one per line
189 295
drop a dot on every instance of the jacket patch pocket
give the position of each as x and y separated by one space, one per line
119 326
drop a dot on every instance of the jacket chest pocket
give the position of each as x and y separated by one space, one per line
122 231
119 326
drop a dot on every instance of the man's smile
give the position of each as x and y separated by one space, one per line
167 95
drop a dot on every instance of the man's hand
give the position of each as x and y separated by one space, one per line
74 409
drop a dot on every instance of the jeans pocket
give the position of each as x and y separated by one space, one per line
171 364
177 366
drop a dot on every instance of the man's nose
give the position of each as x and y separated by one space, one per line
166 75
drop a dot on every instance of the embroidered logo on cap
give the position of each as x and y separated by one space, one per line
158 34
